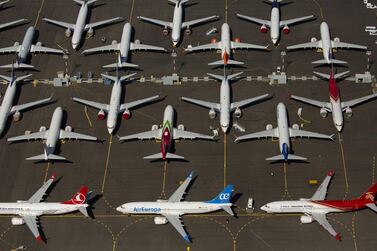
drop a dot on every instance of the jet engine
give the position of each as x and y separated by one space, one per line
90 32
212 114
160 220
336 39
68 32
126 114
101 115
114 42
68 128
263 29
323 112
349 112
165 31
16 221
269 127
238 113
286 29
313 39
181 127
38 43
42 129
16 43
306 219
137 41
296 126
188 31
213 40
237 40
154 127
16 116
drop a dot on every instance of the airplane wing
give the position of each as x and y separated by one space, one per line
104 22
215 46
180 192
31 136
316 44
10 49
145 47
313 102
36 48
60 23
73 135
238 45
301 133
321 192
209 105
135 103
38 195
255 20
357 101
295 20
198 21
175 221
96 105
2 26
321 219
248 101
336 44
156 21
272 133
29 105
183 134
31 223
153 134
111 47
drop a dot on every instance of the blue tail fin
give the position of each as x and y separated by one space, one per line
224 196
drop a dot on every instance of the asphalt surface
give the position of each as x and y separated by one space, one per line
116 171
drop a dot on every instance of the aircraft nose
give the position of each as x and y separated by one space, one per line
224 128
74 46
263 208
339 127
274 41
110 129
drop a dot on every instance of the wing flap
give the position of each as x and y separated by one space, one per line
156 21
99 106
248 101
273 133
296 20
104 22
146 47
111 47
306 134
154 134
60 23
206 104
36 135
198 21
183 134
238 45
36 49
73 135
135 103
255 20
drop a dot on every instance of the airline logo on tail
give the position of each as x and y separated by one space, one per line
224 196
79 197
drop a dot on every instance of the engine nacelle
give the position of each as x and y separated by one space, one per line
16 116
38 43
237 40
181 127
269 127
336 39
313 40
286 29
238 113
126 114
42 129
212 114
323 112
16 43
68 32
154 127
114 42
306 219
16 221
188 31
263 29
296 126
68 128
101 115
137 41
165 31
349 112
213 40
90 32
160 220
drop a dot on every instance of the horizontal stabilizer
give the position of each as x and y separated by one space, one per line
168 156
336 76
46 157
228 209
332 61
177 1
289 157
84 211
372 206
17 66
120 65
230 62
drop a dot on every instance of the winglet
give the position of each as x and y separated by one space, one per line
53 176
337 237
187 238
330 173
39 238
191 175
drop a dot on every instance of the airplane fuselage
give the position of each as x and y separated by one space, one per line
125 42
114 106
225 105
326 42
26 45
27 208
225 43
283 128
275 24
177 23
79 26
336 104
167 131
6 105
54 130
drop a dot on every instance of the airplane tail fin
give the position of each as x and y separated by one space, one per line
79 197
120 65
288 157
168 156
223 198
230 62
332 61
327 76
17 66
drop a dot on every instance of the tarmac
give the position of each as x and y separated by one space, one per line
116 172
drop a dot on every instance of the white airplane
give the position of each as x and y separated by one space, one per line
327 46
177 25
335 106
225 107
226 45
124 48
316 208
25 48
166 134
274 23
7 108
81 26
115 107
284 133
52 136
172 209
29 211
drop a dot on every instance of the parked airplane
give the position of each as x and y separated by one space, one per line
124 48
29 211
225 107
335 106
115 107
326 45
25 48
52 136
7 108
226 45
173 208
81 26
274 23
166 134
317 206
177 25
284 133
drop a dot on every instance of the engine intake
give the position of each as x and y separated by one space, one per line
188 31
286 29
181 127
349 112
68 32
126 114
16 221
269 127
165 31
263 29
42 129
160 220
16 116
238 113
90 32
212 114
154 127
323 113
68 128
306 219
101 115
